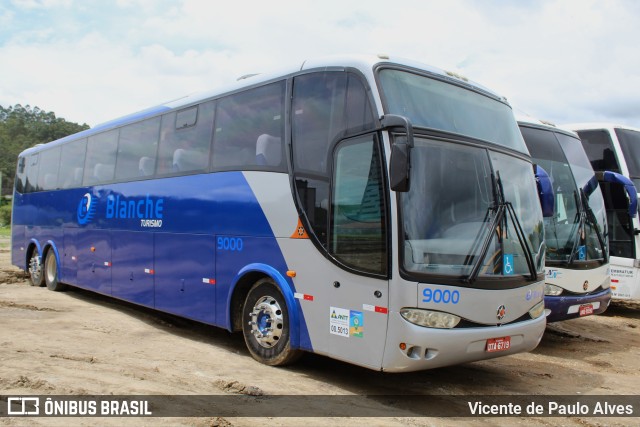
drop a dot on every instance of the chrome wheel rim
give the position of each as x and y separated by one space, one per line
35 268
267 321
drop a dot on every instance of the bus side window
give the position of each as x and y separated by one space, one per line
137 148
358 216
48 173
248 130
21 176
72 164
318 116
599 148
32 173
185 141
325 105
100 163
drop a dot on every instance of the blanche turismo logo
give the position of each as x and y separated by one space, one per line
86 209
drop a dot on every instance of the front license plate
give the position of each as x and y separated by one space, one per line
498 344
586 309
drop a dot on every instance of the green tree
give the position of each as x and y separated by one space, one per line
22 127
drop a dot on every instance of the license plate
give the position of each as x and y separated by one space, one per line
498 344
586 309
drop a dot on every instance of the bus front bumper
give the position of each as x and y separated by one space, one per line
411 347
570 307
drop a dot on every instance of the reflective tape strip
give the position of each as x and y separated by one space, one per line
149 271
303 296
107 264
209 281
375 308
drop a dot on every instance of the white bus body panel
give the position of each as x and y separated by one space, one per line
579 281
625 278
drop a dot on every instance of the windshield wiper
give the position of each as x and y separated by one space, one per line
501 208
585 215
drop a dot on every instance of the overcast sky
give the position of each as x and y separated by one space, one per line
90 61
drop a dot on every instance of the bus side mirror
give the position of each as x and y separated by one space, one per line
590 186
400 163
632 193
545 191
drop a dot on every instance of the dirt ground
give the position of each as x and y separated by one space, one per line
79 343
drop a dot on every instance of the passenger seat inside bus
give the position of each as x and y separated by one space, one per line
103 172
74 179
146 166
188 160
48 181
268 150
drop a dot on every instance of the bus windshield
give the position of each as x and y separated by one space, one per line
575 232
435 104
592 244
468 208
630 144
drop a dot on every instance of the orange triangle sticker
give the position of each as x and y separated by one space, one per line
300 232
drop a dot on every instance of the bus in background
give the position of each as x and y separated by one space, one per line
577 261
616 149
377 211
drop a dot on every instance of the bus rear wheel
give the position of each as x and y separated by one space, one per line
36 278
51 272
265 325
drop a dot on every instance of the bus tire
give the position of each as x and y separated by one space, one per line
36 278
265 325
51 272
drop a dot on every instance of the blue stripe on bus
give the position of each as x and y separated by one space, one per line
113 248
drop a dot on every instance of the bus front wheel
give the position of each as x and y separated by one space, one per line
265 325
51 272
36 278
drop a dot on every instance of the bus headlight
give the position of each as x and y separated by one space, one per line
552 290
537 310
430 319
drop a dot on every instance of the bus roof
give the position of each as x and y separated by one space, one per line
598 125
365 63
526 119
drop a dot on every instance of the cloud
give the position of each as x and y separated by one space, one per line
93 61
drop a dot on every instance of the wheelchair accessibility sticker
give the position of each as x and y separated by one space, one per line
582 253
507 264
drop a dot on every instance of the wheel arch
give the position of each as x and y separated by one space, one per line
243 282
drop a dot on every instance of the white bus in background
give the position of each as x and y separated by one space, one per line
577 279
617 149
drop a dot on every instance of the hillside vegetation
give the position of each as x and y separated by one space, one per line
22 127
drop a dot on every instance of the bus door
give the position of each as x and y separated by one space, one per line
344 294
340 187
358 239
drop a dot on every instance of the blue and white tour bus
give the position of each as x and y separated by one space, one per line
577 262
376 211
616 149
